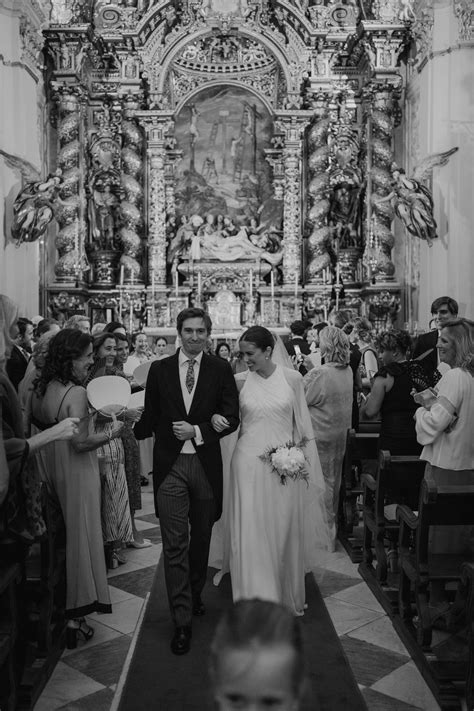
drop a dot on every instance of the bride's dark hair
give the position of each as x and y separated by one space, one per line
259 336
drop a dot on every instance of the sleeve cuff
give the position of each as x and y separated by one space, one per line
198 440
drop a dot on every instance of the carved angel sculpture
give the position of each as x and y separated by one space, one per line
34 205
412 201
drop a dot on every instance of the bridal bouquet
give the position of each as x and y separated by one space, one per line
287 460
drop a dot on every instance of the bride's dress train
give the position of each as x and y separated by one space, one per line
269 532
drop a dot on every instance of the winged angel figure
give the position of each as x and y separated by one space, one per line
34 205
412 201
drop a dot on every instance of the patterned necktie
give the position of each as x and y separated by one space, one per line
190 375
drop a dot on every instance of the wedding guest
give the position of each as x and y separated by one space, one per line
140 353
342 319
70 470
115 327
161 344
391 396
35 364
328 391
223 351
130 448
19 486
45 325
97 328
79 321
444 428
21 352
116 518
297 344
257 658
443 309
361 336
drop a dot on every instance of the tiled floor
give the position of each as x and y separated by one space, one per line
88 677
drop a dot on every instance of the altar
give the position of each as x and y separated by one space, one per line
228 162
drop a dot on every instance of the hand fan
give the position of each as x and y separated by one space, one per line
109 395
140 374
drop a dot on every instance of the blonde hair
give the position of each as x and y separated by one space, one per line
334 345
461 331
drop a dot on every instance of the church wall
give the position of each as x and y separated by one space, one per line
446 116
21 139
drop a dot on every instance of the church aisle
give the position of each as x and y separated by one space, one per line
87 677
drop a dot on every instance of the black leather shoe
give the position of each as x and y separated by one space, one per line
198 607
181 642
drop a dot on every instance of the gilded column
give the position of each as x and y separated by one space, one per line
132 187
70 208
318 163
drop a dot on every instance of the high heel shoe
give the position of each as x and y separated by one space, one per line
74 629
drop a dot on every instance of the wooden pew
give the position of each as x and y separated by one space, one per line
446 499
468 581
361 450
10 578
397 481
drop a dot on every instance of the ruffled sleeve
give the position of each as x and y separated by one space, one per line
430 424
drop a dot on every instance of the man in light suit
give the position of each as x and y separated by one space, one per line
443 309
182 394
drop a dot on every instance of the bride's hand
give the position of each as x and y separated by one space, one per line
219 423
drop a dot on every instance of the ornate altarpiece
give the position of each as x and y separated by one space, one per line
229 153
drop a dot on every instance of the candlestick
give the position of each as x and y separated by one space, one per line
120 304
250 284
272 285
130 328
132 275
199 286
122 272
296 286
325 312
176 284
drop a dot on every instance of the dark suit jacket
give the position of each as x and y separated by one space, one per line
423 344
304 348
16 366
215 393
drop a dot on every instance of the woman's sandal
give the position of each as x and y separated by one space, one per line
76 628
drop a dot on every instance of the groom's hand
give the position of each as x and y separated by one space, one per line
183 430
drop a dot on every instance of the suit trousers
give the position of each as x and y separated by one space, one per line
186 507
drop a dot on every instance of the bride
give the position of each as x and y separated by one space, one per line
270 533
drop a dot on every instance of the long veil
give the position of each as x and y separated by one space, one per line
316 528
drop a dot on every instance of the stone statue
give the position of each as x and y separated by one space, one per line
103 216
344 214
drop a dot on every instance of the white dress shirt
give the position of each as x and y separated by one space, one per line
183 361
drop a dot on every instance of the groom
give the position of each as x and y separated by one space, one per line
182 394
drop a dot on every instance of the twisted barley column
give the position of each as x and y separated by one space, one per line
67 210
382 213
319 239
132 204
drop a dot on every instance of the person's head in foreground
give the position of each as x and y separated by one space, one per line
257 658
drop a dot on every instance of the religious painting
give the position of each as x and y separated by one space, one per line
223 133
224 184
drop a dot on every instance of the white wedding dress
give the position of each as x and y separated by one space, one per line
270 533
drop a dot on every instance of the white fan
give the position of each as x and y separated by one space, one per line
140 374
109 395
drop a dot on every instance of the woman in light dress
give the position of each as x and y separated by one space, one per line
444 428
272 532
328 392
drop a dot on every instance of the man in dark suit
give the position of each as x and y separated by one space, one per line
297 338
21 352
182 394
443 309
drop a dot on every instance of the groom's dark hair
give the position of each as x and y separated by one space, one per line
193 312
